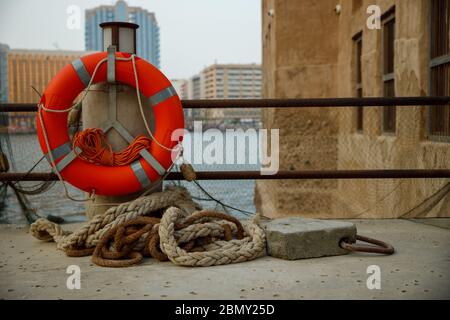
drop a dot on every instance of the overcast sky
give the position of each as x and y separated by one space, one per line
194 33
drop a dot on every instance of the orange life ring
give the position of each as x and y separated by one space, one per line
106 180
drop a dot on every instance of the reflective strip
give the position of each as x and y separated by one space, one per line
123 132
140 174
68 159
80 69
59 152
162 95
152 161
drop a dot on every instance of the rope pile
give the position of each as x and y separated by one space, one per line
96 149
167 226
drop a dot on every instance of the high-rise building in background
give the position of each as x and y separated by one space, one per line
3 84
147 35
195 87
27 68
4 73
194 90
181 87
226 81
232 81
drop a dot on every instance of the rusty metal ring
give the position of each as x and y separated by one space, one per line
381 247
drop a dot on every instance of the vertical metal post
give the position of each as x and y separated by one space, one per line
111 79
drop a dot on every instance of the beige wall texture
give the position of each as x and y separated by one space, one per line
308 52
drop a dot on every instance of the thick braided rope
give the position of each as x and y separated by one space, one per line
88 235
217 253
191 232
47 231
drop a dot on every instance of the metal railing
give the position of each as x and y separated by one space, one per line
277 103
283 174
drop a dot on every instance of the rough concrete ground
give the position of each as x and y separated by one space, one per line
30 269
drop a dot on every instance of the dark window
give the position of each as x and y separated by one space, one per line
439 116
357 39
389 112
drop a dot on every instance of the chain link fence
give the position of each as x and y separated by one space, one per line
328 139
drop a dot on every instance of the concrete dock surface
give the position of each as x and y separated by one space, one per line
420 269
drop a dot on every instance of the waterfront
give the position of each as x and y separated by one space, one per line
26 152
33 269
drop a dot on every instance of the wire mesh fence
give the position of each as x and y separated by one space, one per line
337 139
322 139
23 151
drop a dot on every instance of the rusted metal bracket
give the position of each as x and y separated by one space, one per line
379 246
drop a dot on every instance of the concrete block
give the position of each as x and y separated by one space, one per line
295 238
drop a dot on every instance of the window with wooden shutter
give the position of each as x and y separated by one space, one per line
388 31
439 116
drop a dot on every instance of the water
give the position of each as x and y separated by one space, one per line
26 153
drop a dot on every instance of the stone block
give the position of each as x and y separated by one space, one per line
300 238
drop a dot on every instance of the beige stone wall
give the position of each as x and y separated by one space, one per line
300 62
308 52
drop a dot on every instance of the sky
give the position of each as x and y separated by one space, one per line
194 33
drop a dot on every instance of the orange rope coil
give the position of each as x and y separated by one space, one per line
96 149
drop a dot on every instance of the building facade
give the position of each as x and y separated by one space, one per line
195 87
147 35
194 92
32 68
232 81
4 91
181 86
312 50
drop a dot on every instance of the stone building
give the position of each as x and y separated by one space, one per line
329 48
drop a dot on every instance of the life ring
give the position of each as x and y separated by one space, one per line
106 180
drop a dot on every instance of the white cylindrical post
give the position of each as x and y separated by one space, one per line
109 102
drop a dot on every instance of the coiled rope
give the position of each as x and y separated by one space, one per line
96 149
183 235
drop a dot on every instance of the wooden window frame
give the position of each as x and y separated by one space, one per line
386 18
433 63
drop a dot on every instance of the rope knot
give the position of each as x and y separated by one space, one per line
46 230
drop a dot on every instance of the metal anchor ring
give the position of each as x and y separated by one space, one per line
380 246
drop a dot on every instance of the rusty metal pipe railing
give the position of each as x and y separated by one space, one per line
256 175
279 103
276 103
